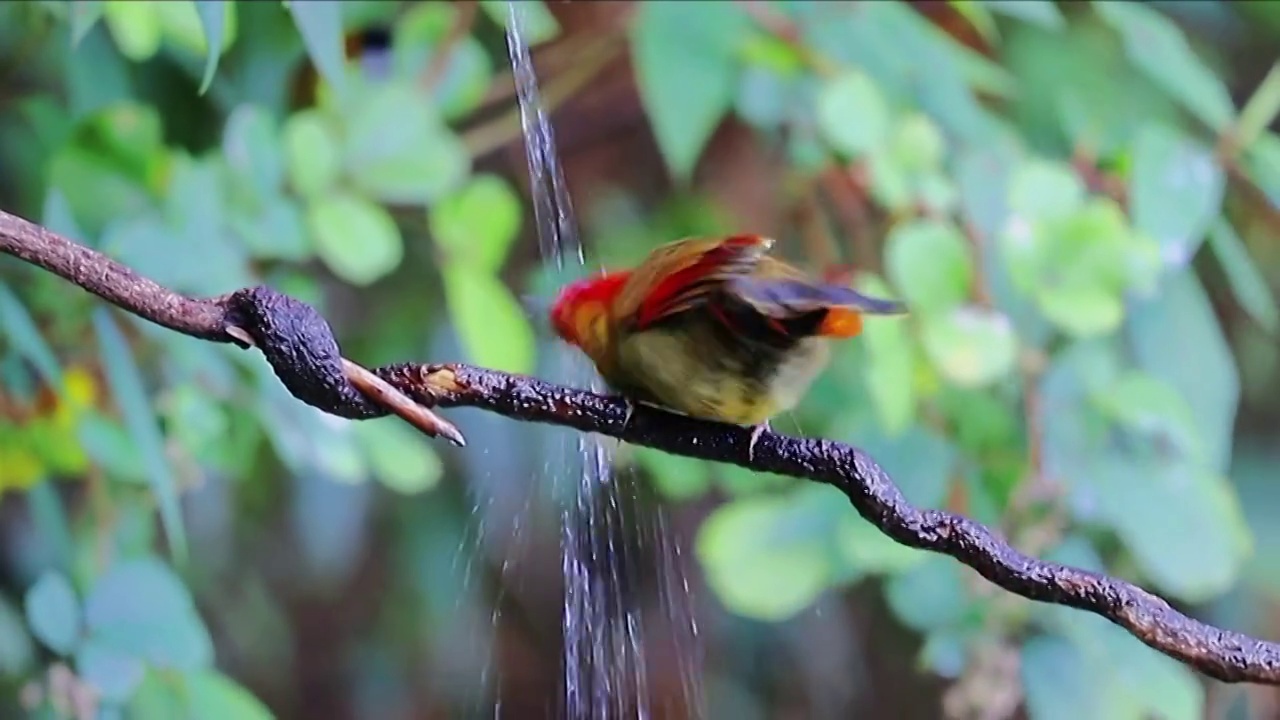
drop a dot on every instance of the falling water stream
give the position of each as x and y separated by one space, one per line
605 662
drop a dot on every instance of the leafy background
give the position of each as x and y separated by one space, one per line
1080 202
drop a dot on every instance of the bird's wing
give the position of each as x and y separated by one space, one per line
684 274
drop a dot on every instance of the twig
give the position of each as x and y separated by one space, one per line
486 137
300 347
461 27
255 316
392 399
549 59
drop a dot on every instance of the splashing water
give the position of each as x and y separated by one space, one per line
605 668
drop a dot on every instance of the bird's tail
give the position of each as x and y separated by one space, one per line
788 298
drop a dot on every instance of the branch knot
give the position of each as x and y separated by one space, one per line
299 344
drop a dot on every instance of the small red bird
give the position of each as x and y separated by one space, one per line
712 328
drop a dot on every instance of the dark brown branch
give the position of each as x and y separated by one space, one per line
291 334
300 347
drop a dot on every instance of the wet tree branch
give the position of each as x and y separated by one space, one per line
299 345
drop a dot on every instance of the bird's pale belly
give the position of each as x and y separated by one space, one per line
696 374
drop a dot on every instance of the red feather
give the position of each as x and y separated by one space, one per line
601 288
680 289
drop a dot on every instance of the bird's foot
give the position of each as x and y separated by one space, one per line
756 432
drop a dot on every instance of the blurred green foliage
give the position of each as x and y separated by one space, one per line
1065 375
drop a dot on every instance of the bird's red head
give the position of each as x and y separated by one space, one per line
581 311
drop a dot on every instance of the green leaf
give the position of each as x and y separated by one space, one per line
906 172
421 34
676 476
278 231
25 338
1127 678
768 52
1075 429
198 422
1150 408
207 264
982 176
490 322
870 551
538 24
1145 475
356 239
946 652
1255 472
114 673
422 174
922 463
16 649
252 148
311 150
768 558
918 144
930 595
49 521
1175 191
213 19
1157 47
478 222
1036 12
1183 525
1262 163
1059 681
114 160
109 446
687 71
737 481
1081 308
184 29
126 385
978 16
158 697
853 114
136 28
929 262
1154 684
320 24
84 15
398 151
980 73
213 696
1079 266
399 456
1261 110
141 609
889 371
1040 190
920 460
971 346
1177 339
193 216
1247 282
53 611
892 42
338 455
764 97
58 216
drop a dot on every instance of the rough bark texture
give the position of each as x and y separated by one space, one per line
301 348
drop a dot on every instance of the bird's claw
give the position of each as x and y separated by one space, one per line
756 432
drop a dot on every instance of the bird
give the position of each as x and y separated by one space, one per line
712 328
